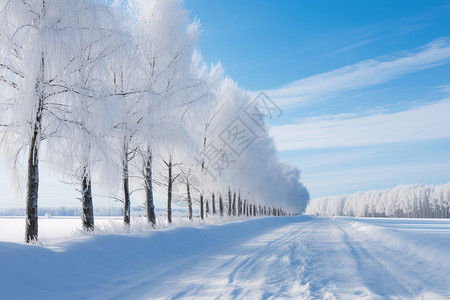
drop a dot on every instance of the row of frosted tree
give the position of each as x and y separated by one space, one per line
118 101
403 201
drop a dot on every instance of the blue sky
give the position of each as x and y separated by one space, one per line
364 86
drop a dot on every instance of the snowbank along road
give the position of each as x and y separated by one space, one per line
301 257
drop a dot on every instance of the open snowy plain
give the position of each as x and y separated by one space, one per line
301 257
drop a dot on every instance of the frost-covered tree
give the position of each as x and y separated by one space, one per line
166 45
255 168
94 37
127 94
32 61
124 82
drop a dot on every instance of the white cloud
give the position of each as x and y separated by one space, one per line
430 121
363 74
444 88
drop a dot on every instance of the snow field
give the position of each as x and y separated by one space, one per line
301 257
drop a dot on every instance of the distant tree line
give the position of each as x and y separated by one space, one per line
69 211
404 201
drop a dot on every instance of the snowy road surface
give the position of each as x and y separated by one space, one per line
269 258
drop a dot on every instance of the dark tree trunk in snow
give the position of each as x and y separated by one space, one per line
189 199
213 203
234 204
229 202
31 222
88 207
126 187
221 205
207 207
126 201
31 225
149 204
202 213
239 204
169 192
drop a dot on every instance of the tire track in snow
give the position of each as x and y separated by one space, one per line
229 273
275 258
265 261
376 276
405 256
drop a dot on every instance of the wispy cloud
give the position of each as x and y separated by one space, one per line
355 45
363 74
444 88
412 28
430 121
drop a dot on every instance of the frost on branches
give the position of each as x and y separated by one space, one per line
117 98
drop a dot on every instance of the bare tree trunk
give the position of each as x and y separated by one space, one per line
31 225
126 202
169 192
229 202
31 218
87 205
189 199
149 203
234 203
221 205
126 186
206 207
202 213
239 204
213 203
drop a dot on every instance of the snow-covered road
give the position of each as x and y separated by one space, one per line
269 258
